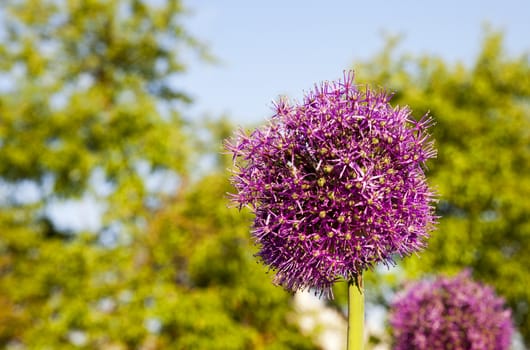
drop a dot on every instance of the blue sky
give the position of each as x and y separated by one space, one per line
268 48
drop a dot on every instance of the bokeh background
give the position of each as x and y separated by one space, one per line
115 229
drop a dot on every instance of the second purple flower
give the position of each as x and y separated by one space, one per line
336 184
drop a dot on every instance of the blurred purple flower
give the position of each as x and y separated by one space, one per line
450 313
336 184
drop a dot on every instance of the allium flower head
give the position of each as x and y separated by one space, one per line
450 313
336 184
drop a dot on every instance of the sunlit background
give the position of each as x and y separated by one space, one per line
115 228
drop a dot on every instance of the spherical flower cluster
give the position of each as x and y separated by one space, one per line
450 313
336 184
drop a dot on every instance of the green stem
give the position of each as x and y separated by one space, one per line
356 314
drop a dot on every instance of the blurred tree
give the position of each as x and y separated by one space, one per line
89 111
482 171
90 97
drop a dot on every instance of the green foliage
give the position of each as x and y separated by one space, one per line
192 276
91 110
482 135
94 98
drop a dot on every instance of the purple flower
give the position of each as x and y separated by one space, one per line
450 313
336 184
